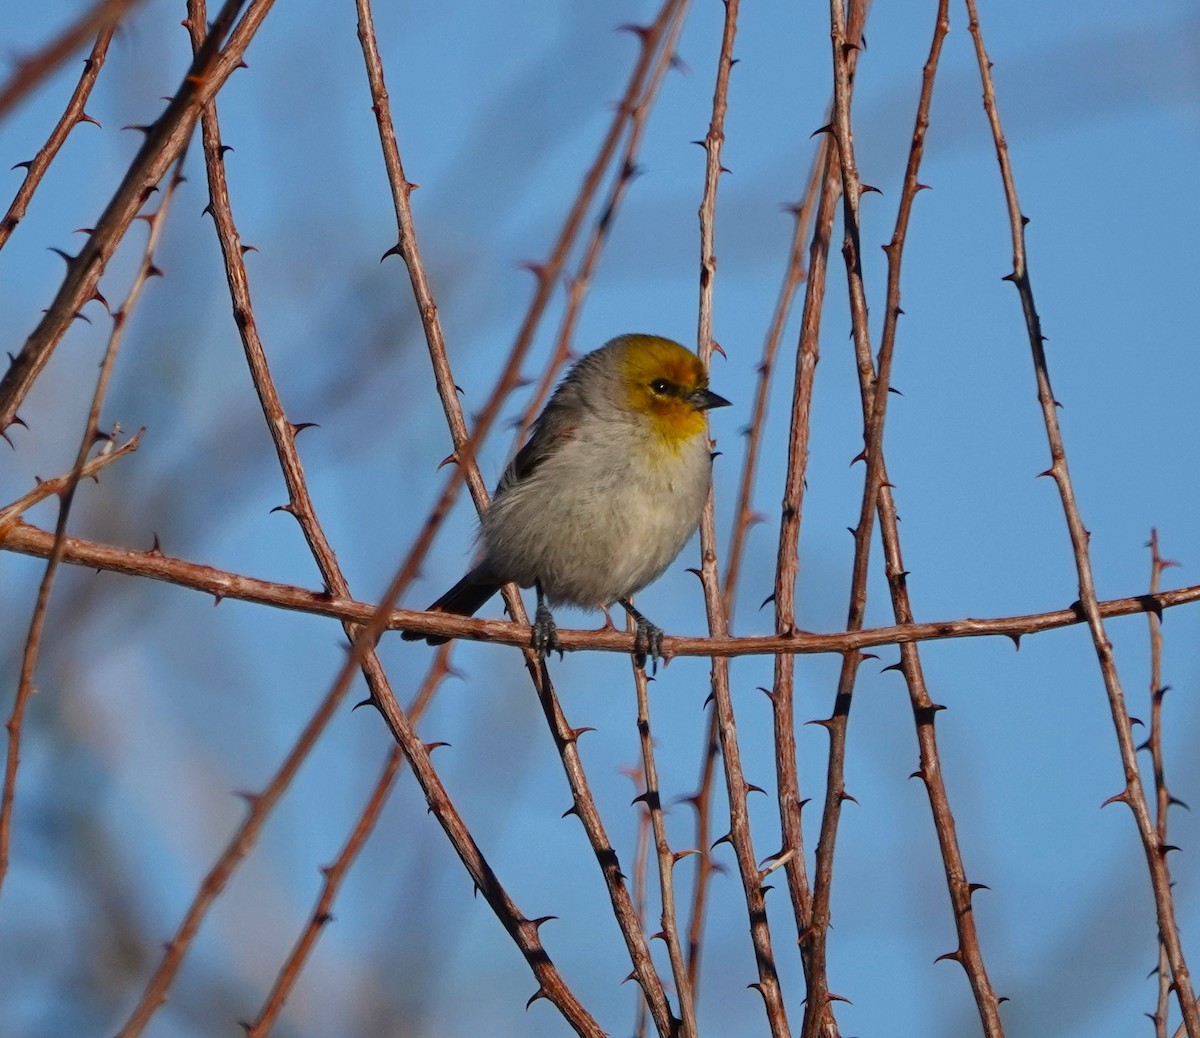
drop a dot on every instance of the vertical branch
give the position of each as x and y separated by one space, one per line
737 787
565 737
667 860
1162 795
787 568
91 435
877 497
72 116
1133 794
794 273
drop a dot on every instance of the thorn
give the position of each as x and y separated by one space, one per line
827 128
678 856
299 427
727 838
540 993
767 601
137 126
1016 640
824 722
864 189
248 248
577 732
431 746
393 251
538 270
67 258
893 666
752 788
155 548
449 459
956 955
1122 797
844 796
369 701
83 117
972 887
289 507
23 165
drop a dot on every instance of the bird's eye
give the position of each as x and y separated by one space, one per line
660 386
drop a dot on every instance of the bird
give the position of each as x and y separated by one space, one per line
605 493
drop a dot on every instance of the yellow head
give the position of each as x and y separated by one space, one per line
667 383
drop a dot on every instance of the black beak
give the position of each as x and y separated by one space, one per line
704 399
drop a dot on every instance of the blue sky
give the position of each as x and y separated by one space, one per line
155 706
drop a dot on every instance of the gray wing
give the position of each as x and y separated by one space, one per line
554 427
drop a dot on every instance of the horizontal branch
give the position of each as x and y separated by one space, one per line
30 540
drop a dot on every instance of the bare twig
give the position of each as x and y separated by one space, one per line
787 568
336 872
467 469
1162 795
665 858
47 488
24 539
579 283
165 141
1133 794
101 17
91 435
74 114
737 788
877 497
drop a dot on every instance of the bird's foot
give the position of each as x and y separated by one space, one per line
647 638
545 633
647 641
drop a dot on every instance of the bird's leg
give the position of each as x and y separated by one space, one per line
647 639
545 631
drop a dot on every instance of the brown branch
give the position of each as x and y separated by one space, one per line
47 488
74 114
666 859
1133 794
737 788
467 469
336 872
787 569
627 171
165 141
793 275
877 497
91 435
1162 795
221 584
102 17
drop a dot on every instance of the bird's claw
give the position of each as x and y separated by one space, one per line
647 641
545 633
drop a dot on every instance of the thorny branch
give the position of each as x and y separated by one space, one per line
74 114
91 436
1133 794
221 584
165 141
102 17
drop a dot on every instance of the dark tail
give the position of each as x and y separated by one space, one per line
466 598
